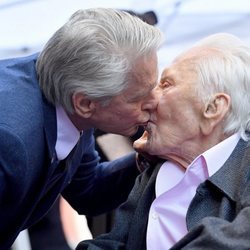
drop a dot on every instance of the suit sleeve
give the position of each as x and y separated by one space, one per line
100 187
130 220
13 187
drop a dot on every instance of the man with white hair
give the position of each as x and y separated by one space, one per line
99 70
199 196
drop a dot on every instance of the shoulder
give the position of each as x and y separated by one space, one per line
20 67
20 95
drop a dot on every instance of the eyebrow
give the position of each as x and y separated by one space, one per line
137 96
167 77
145 93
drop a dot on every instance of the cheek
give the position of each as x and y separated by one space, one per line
165 108
154 141
125 118
128 109
132 113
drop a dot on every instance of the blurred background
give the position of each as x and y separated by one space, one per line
25 27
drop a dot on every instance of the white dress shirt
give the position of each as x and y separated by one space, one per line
67 134
175 188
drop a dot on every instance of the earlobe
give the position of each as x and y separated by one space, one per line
215 111
83 106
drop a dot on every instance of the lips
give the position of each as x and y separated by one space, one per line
145 126
148 127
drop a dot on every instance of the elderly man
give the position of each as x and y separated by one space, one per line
97 71
199 198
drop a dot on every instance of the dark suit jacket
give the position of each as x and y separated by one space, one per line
31 177
217 218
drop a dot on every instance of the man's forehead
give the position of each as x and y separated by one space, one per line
144 86
179 69
195 53
145 79
145 66
138 90
145 74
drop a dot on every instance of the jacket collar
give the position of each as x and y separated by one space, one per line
49 114
234 171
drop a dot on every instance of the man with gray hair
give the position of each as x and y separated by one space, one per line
199 196
99 70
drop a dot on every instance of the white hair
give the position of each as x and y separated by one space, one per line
227 69
93 53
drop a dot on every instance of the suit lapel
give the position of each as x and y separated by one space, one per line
50 127
137 232
233 172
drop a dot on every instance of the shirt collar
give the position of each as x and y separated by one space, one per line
67 134
216 156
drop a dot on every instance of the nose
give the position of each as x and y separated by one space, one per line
151 101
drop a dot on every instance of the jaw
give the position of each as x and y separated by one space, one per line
79 122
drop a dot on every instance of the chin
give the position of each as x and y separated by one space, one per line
124 133
147 147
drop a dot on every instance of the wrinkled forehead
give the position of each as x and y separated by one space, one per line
196 53
145 69
186 63
180 69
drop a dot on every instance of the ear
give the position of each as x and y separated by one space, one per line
215 111
83 106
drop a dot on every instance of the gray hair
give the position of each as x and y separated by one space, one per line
227 69
93 53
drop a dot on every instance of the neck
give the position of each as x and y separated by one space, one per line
189 150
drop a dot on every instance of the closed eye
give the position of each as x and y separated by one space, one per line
165 84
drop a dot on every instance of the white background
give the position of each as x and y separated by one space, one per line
25 25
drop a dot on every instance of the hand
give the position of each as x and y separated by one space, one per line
144 161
